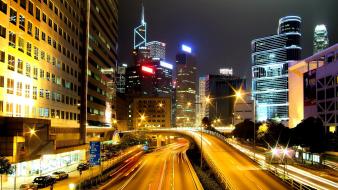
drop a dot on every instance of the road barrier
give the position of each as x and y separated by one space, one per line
292 180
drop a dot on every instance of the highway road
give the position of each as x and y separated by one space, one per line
164 169
238 169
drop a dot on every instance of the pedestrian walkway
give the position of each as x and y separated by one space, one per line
74 175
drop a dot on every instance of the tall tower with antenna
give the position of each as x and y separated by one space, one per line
140 33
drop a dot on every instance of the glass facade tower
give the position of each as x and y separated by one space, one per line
270 58
320 38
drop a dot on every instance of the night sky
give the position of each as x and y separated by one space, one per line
220 31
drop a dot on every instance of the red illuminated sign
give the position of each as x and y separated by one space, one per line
147 69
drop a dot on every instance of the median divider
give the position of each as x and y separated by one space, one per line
197 182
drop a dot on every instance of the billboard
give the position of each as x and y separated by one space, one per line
94 152
310 88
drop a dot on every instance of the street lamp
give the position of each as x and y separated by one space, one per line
239 95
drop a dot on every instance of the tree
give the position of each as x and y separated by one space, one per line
310 133
5 168
244 130
206 122
272 133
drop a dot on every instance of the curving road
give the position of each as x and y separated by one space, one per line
167 168
238 169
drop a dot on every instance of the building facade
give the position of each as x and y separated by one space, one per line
157 50
201 101
151 112
313 88
220 89
243 110
270 58
320 38
50 59
140 33
186 88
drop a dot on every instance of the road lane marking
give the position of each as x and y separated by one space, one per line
162 174
128 181
173 176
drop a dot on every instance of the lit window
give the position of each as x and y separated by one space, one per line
28 70
27 90
37 33
12 39
29 27
10 86
35 92
2 31
21 44
20 66
11 62
29 49
22 22
19 88
12 16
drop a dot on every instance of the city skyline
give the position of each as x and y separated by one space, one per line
210 45
77 113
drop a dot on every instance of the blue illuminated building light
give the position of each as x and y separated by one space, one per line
166 65
186 48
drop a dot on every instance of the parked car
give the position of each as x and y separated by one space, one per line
60 175
83 166
29 186
44 181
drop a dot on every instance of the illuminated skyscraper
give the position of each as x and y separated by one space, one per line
320 38
270 58
200 109
157 50
186 88
140 33
53 76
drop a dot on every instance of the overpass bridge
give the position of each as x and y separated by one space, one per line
234 170
233 166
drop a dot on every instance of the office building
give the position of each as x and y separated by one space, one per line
220 89
201 101
140 33
121 79
226 71
186 88
163 78
53 73
270 58
320 38
157 50
151 112
102 64
313 88
243 110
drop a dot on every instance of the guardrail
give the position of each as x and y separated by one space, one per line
294 181
273 169
197 182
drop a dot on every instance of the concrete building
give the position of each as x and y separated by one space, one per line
270 58
56 78
157 50
313 88
151 112
243 109
221 91
186 88
201 103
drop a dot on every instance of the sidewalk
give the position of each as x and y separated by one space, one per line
74 175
